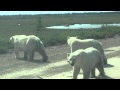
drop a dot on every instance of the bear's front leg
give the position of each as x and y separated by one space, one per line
76 70
16 50
45 59
17 54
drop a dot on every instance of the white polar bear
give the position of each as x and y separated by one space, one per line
87 59
28 44
76 44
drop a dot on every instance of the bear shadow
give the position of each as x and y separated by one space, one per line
106 77
108 66
109 50
39 61
33 61
30 77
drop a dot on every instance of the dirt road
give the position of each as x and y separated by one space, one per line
57 66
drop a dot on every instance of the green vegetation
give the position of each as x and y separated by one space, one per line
3 46
55 37
31 24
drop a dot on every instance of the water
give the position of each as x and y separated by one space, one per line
81 26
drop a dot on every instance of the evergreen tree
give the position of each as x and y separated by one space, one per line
39 27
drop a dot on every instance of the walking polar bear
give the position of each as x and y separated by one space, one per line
76 44
28 44
87 59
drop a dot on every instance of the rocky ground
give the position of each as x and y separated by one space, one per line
57 66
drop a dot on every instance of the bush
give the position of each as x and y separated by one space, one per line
58 37
3 50
3 46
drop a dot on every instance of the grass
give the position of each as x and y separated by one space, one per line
9 26
3 46
55 37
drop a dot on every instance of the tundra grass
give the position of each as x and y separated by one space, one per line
28 25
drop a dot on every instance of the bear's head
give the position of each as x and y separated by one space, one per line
70 39
71 59
11 40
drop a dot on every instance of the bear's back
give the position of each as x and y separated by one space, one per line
89 58
33 37
92 52
19 38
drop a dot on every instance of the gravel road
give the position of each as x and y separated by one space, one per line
57 66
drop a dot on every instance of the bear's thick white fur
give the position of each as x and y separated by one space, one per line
87 60
76 44
29 44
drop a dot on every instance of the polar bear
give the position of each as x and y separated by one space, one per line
29 44
76 44
86 59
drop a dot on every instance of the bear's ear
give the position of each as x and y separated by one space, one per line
77 37
78 55
68 54
68 37
11 39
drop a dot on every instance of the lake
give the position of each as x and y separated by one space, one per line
81 26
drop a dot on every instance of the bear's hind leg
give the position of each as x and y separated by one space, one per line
93 73
25 55
101 70
86 75
105 61
31 56
104 58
